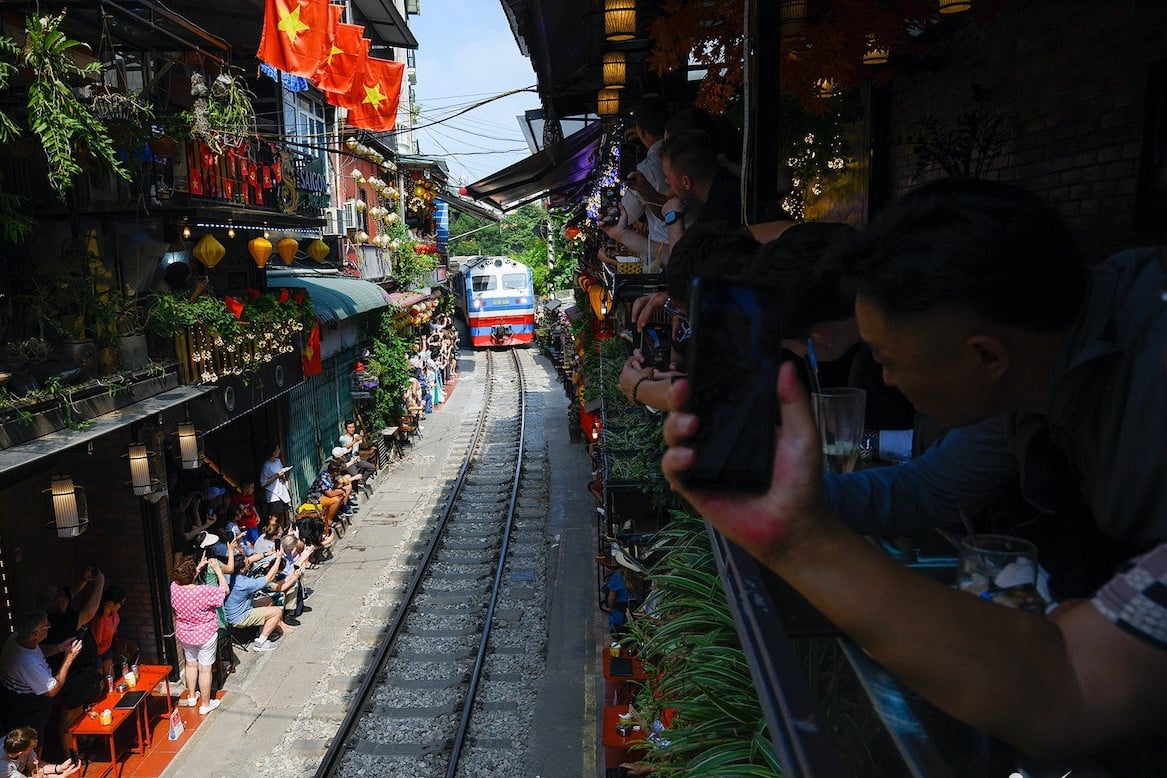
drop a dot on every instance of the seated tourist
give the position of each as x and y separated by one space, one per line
20 757
243 509
242 612
27 683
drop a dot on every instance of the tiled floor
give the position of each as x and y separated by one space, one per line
158 754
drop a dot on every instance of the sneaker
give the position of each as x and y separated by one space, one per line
262 644
210 706
190 701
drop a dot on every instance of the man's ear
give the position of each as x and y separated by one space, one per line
991 355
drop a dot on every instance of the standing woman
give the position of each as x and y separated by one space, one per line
197 626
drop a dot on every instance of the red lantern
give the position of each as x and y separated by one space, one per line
571 232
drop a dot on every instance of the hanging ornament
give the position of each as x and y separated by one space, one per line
361 205
351 143
318 250
287 248
362 237
260 250
571 232
209 251
392 217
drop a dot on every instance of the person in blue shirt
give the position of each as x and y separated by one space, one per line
241 612
615 591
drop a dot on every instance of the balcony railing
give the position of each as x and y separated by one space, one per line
204 356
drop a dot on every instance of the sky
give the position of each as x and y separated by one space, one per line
466 53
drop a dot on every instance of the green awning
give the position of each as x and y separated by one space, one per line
335 297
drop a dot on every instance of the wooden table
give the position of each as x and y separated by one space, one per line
149 676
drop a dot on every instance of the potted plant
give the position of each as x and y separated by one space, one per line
124 317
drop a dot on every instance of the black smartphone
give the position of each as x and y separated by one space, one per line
74 757
655 345
733 363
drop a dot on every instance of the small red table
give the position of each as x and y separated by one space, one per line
613 739
638 673
149 676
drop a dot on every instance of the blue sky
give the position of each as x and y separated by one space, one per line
466 53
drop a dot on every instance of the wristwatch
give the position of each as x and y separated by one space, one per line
672 216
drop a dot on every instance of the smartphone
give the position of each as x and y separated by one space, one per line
610 204
74 757
656 345
733 360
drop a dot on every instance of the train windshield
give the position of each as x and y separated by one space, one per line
483 283
514 281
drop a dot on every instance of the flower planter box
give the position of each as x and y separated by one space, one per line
86 402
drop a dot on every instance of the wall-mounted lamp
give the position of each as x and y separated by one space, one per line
186 232
188 447
619 20
70 511
607 102
615 70
141 480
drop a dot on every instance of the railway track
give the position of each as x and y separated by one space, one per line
442 683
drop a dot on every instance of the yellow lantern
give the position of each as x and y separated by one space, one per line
209 251
287 248
260 250
318 250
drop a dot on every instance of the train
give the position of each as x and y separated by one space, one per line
496 297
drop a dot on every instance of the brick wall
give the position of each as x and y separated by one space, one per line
1070 79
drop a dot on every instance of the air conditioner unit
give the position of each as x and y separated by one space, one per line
333 221
411 75
351 220
413 7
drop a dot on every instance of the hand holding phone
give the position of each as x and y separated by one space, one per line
733 370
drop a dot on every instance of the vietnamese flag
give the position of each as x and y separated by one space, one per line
295 35
311 359
346 56
372 103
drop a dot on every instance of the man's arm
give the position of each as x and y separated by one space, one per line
63 672
1061 685
961 470
92 599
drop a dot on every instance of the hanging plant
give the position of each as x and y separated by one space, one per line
60 121
222 116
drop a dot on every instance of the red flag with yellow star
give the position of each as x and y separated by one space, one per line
295 35
372 103
313 365
346 57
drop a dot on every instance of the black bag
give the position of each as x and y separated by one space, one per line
311 530
83 686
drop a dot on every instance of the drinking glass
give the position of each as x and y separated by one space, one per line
1000 569
839 415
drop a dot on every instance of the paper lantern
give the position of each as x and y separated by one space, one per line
260 250
607 102
619 20
318 250
209 251
614 69
954 6
70 511
571 232
287 248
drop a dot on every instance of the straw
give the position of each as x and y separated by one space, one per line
814 366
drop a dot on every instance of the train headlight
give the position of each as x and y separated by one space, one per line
477 303
520 301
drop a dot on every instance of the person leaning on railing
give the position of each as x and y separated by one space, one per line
975 301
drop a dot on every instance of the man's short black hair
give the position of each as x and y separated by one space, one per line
651 115
691 153
810 289
991 248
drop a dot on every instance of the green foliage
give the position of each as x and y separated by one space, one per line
8 48
390 363
267 310
409 266
222 115
55 115
171 313
968 147
15 225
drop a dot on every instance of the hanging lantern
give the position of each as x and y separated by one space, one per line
619 20
356 175
70 511
209 251
287 248
260 250
954 6
351 142
571 232
607 102
189 455
318 250
362 237
824 88
875 54
792 18
360 205
615 70
392 217
141 479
